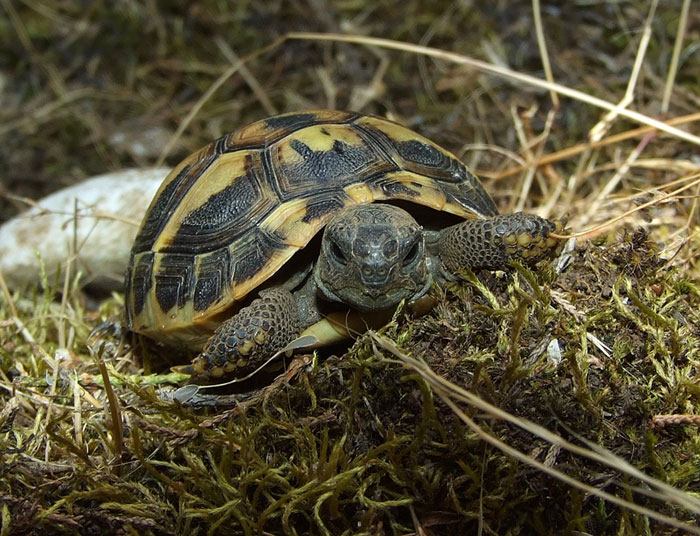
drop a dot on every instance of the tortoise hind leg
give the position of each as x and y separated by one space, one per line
245 341
493 242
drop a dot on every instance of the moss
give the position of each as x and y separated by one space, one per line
353 443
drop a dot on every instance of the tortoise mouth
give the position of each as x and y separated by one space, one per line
375 298
365 301
388 298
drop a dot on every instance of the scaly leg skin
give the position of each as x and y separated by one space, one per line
493 242
245 341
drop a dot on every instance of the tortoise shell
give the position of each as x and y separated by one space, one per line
229 216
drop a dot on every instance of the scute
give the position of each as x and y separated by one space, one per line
230 215
213 274
419 155
228 200
174 281
268 131
253 253
318 208
422 153
139 282
171 192
321 158
289 121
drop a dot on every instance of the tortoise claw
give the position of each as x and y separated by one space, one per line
184 369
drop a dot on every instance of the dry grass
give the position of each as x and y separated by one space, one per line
526 403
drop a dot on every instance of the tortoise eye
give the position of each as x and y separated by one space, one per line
337 253
412 255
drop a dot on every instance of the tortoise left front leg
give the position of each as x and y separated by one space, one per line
493 242
244 342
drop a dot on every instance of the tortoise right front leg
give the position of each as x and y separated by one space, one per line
493 242
245 341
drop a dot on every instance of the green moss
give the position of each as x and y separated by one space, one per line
351 443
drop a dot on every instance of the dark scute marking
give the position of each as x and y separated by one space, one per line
468 191
421 153
129 291
155 218
221 145
206 292
139 282
318 209
396 189
220 220
422 158
338 166
304 150
222 207
325 132
339 147
252 257
290 121
174 281
460 173
250 264
214 270
167 292
416 184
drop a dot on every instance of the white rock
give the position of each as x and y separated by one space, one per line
109 209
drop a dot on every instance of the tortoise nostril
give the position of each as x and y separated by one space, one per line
374 275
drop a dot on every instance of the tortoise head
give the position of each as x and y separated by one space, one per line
372 257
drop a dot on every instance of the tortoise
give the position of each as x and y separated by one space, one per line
228 218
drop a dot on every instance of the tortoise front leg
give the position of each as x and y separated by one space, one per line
245 341
493 242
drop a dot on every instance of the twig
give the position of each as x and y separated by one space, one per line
497 71
673 194
228 73
542 44
249 78
673 66
580 148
